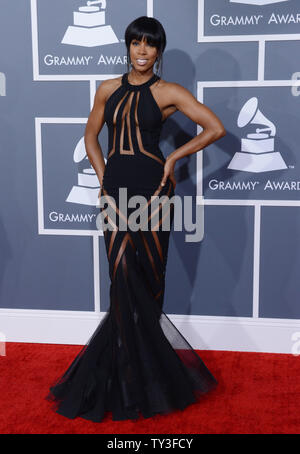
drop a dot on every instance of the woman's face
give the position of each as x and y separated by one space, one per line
142 55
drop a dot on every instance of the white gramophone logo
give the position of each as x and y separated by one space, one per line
257 149
87 190
89 29
257 2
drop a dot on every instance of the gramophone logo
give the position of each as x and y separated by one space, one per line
89 29
87 189
258 2
2 84
257 149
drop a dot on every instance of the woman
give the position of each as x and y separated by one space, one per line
136 362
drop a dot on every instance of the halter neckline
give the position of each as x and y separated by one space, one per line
148 82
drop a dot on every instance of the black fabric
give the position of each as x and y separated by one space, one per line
136 362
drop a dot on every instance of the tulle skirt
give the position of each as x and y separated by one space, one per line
136 363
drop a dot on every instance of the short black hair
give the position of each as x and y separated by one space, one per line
151 29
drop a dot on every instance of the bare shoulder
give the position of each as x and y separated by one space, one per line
107 87
173 94
172 90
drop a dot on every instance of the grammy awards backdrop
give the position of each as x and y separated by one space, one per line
238 287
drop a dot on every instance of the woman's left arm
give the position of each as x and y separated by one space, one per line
213 128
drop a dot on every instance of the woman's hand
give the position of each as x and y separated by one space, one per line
169 171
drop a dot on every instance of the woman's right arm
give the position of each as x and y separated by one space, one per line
93 127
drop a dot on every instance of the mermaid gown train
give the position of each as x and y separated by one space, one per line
136 362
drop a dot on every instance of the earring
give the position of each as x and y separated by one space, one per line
157 62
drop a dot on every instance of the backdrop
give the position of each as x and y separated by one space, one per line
237 288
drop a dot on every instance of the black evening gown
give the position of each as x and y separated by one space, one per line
136 362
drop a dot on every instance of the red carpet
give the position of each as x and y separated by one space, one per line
258 393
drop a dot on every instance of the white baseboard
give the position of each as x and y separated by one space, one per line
202 332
